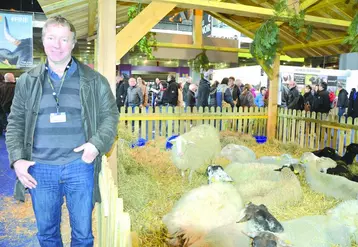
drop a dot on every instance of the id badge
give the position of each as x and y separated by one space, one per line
58 117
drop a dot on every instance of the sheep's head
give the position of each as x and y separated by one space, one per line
266 239
216 173
261 218
352 148
181 145
327 152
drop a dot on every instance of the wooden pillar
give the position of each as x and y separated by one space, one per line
273 95
106 57
197 28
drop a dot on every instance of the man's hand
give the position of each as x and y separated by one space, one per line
90 152
21 170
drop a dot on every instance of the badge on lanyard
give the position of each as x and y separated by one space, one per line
58 117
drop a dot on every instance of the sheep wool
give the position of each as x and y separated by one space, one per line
238 153
330 185
195 148
260 184
201 210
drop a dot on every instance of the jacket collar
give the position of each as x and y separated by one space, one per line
86 73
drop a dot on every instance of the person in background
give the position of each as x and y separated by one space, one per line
236 91
119 82
9 91
188 81
63 119
212 95
134 94
353 104
308 99
343 101
259 100
180 95
204 89
191 95
224 98
143 86
293 96
3 120
246 97
122 90
323 104
156 90
170 95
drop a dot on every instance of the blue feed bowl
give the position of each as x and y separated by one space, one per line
140 143
168 144
260 139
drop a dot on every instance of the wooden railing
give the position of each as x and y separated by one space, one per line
150 122
316 131
113 225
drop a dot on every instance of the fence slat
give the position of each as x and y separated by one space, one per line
313 137
176 122
157 123
293 129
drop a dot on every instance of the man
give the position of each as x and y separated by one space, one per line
204 89
342 102
63 119
134 94
143 86
119 82
155 91
293 96
322 103
170 95
188 81
7 95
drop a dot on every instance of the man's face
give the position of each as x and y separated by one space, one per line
132 82
157 81
58 43
231 82
320 88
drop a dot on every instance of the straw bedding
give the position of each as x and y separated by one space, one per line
150 184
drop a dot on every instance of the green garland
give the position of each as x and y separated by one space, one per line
266 41
200 62
147 42
352 37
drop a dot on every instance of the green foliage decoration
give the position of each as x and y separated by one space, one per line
352 37
147 43
200 62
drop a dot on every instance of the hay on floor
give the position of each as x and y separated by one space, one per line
150 184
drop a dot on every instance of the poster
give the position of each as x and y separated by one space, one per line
16 42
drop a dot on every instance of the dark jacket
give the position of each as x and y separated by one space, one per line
212 96
191 98
246 99
284 95
308 98
134 96
185 92
170 95
8 95
342 99
322 103
353 104
121 92
293 98
226 95
98 109
203 93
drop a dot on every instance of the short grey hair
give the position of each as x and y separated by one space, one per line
61 21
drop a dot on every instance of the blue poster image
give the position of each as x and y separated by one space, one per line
16 43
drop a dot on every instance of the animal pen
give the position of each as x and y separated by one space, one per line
309 130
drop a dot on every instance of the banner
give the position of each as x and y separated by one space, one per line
206 24
16 42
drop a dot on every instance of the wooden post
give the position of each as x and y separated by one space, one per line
106 57
273 95
197 30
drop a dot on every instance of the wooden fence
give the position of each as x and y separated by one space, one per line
149 123
316 131
113 225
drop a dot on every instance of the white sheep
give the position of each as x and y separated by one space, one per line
330 185
238 153
262 185
200 210
195 148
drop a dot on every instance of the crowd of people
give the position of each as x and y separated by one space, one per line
7 90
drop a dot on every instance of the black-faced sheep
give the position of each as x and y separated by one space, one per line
216 173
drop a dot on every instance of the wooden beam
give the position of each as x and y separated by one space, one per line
308 3
250 11
59 8
232 24
200 47
140 26
320 43
322 4
106 58
272 104
92 11
197 28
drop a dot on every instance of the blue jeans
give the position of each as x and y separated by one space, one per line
341 111
74 181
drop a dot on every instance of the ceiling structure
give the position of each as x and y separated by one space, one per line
330 19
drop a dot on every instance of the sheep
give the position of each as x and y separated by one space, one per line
195 148
330 185
257 218
327 152
216 173
200 210
338 227
238 154
261 184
